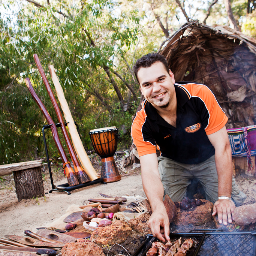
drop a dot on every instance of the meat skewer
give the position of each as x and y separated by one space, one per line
69 173
80 173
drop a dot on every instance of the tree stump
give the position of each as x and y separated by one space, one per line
29 183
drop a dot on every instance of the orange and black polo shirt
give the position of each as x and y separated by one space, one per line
198 115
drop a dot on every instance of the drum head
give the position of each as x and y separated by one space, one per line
105 129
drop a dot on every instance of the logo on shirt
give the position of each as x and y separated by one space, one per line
169 135
193 128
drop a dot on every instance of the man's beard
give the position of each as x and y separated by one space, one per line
166 105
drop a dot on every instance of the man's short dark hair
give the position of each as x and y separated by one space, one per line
148 60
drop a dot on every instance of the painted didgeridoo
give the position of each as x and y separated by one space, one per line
77 143
69 173
82 177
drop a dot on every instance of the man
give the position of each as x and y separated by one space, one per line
187 124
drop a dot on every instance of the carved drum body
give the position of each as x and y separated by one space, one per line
104 142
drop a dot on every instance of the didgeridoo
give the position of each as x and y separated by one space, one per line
82 176
72 179
77 143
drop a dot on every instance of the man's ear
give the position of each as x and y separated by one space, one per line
172 76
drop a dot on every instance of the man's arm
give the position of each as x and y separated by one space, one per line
223 158
154 190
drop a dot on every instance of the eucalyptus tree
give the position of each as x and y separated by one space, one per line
90 45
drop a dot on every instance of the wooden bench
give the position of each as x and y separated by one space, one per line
27 177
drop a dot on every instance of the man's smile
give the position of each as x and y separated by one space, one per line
159 95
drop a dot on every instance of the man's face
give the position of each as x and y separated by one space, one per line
157 85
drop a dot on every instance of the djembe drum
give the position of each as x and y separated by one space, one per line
104 141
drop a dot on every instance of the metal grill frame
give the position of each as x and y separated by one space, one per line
208 239
228 244
199 237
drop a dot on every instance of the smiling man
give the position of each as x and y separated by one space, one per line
187 124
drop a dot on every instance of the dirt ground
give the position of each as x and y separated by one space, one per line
15 217
39 212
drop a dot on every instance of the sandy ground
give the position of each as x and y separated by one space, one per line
15 217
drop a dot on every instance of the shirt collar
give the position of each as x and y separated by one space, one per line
182 97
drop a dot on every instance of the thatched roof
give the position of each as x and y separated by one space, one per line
222 59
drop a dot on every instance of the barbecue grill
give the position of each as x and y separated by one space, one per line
212 243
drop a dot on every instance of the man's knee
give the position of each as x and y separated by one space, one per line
237 195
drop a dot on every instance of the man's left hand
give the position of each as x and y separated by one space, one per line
224 208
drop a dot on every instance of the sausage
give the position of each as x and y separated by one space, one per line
245 214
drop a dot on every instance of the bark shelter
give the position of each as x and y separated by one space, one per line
221 58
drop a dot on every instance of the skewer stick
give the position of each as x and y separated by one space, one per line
77 143
11 243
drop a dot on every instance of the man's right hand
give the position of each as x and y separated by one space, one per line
159 224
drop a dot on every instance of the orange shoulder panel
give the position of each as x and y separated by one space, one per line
217 119
143 147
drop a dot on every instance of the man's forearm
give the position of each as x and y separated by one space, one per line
154 190
152 183
223 160
224 169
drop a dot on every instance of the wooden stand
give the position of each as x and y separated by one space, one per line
27 177
240 166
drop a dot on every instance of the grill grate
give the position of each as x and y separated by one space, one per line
227 245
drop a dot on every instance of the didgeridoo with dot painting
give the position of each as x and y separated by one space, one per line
77 143
79 171
69 172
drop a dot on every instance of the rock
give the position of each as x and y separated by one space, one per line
116 233
198 216
85 248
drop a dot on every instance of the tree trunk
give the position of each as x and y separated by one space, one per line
165 30
29 183
209 11
230 15
182 9
119 95
127 85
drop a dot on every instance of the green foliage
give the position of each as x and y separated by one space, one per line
84 40
80 47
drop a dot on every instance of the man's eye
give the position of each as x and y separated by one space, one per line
161 79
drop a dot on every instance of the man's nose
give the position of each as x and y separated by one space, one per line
156 87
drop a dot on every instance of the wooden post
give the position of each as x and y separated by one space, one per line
27 177
241 165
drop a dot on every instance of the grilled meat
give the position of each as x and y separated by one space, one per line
170 248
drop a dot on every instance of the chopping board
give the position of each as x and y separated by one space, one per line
29 241
73 217
78 235
58 237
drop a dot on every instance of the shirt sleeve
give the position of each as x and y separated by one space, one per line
144 147
212 115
